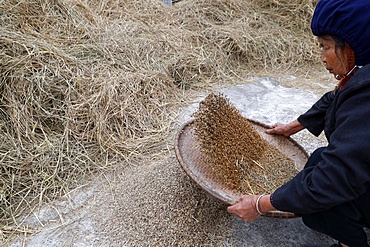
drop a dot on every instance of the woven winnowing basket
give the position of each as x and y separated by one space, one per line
193 161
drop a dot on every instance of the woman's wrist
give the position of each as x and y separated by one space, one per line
258 204
294 127
264 204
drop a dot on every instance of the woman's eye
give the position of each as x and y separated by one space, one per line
325 47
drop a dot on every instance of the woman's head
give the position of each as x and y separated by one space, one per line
347 20
337 55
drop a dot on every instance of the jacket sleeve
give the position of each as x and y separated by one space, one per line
314 119
344 171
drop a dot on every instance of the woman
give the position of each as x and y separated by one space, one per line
332 192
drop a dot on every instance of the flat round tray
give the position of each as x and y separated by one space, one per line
191 159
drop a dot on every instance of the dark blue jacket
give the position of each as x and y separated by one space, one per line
344 172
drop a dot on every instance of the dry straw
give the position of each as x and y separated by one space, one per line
87 84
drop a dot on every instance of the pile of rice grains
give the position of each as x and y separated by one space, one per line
235 153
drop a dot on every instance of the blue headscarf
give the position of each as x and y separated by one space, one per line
346 19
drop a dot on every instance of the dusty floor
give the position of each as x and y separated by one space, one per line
156 203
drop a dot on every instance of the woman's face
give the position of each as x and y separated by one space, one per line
337 61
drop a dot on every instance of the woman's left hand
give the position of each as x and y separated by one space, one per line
245 208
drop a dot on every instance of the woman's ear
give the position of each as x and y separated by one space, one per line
350 55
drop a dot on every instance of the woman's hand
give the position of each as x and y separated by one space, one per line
245 208
285 129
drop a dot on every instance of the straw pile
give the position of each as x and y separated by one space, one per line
235 152
87 84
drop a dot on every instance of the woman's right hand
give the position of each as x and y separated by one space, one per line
285 129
